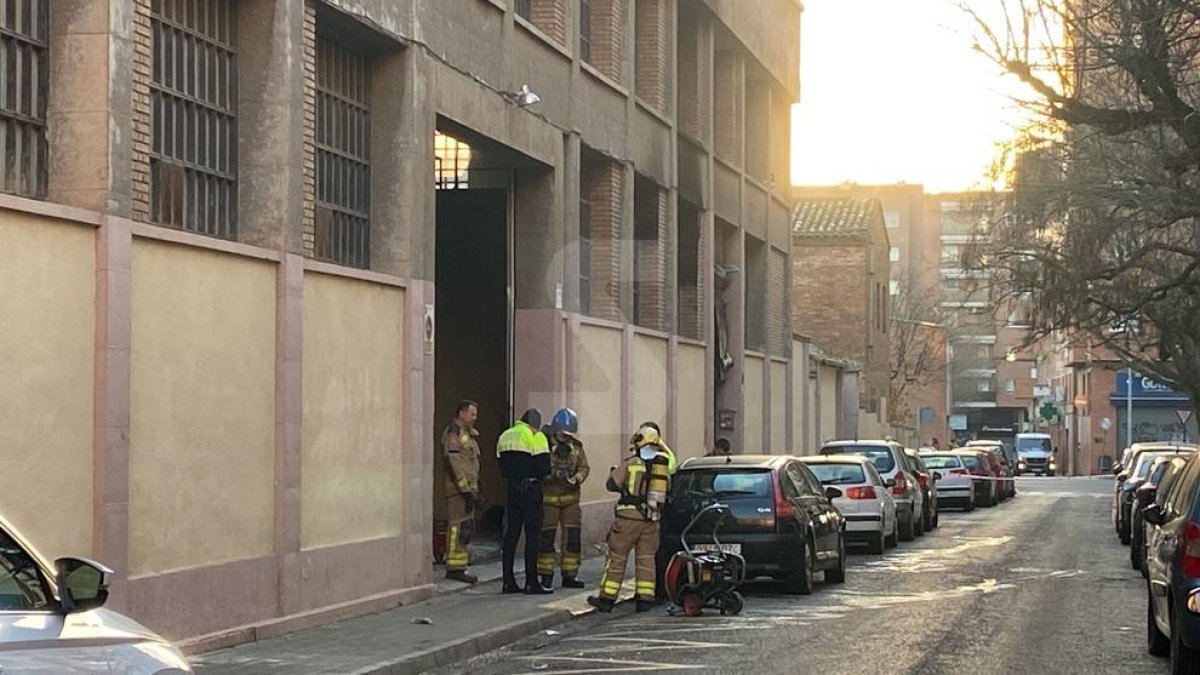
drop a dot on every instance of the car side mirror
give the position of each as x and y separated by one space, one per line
1144 497
1122 477
1153 514
891 482
1116 468
832 492
937 475
83 584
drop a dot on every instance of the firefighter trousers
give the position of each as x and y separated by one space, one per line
569 518
641 537
460 522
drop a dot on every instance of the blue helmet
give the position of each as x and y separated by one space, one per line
565 420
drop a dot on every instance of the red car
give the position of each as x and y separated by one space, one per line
1004 484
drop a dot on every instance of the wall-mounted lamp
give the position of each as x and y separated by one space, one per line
522 97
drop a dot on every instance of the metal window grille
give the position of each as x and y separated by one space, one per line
343 232
193 91
452 161
24 85
524 9
585 256
585 30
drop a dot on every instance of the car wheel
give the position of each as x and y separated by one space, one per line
1126 534
1135 551
936 514
970 503
927 518
877 543
919 524
906 528
893 539
837 575
1144 566
1184 659
801 581
1156 643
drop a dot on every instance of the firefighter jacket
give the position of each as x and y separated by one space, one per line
642 484
568 470
524 453
460 449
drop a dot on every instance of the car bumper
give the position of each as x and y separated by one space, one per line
765 554
863 523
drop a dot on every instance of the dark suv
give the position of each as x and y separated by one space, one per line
781 518
1173 561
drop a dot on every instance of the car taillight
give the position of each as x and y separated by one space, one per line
959 472
923 480
860 492
783 508
1190 565
977 471
901 485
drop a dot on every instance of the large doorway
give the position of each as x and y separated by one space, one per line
474 341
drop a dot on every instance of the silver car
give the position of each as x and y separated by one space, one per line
955 487
864 501
52 619
892 464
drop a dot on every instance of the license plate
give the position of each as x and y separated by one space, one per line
727 548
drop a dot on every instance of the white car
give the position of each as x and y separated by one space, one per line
865 502
955 486
52 620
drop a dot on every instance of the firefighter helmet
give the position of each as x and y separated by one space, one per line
565 420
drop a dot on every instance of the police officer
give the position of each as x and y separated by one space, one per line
460 449
642 480
560 501
524 456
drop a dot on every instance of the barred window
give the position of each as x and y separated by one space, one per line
193 155
23 89
343 227
524 9
452 162
585 30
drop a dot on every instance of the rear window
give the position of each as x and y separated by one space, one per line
972 461
723 482
880 456
837 474
942 462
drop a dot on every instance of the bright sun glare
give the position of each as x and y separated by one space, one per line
892 91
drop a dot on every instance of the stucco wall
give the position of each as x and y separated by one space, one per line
650 380
689 401
600 392
46 375
752 416
779 409
351 462
202 401
829 404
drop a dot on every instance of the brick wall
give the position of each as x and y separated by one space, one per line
608 37
604 185
829 297
778 334
550 17
725 107
652 66
142 74
309 157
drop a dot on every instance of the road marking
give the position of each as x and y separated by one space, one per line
622 666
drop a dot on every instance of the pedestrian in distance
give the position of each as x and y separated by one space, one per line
560 502
642 481
524 456
460 452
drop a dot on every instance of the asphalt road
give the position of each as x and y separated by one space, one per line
1038 584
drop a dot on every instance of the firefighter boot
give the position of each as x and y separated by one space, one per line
602 604
645 605
548 580
461 575
570 581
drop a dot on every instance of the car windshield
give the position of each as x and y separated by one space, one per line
942 462
1145 462
972 461
1027 444
723 482
838 474
880 456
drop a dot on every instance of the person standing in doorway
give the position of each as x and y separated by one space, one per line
568 470
524 456
460 449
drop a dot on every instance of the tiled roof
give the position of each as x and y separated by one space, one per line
843 217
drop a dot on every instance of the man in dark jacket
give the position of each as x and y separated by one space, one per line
524 455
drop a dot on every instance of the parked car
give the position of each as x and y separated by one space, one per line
928 483
892 464
1002 479
955 486
781 519
1136 469
1173 591
1143 496
1008 459
986 488
54 621
866 503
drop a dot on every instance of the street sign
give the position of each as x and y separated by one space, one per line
1049 410
1184 416
958 422
1106 423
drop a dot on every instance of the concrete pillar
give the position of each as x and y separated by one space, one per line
537 237
390 157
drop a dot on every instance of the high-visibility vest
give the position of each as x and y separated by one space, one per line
521 437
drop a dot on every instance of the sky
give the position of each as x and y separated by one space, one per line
891 91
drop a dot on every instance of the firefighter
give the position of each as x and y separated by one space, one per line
560 501
460 448
524 456
642 481
671 462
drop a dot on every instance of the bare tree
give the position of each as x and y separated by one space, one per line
1102 237
917 339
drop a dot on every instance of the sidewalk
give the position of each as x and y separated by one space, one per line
466 621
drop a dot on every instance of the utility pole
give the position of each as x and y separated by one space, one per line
1128 406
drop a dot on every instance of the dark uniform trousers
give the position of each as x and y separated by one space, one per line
523 514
